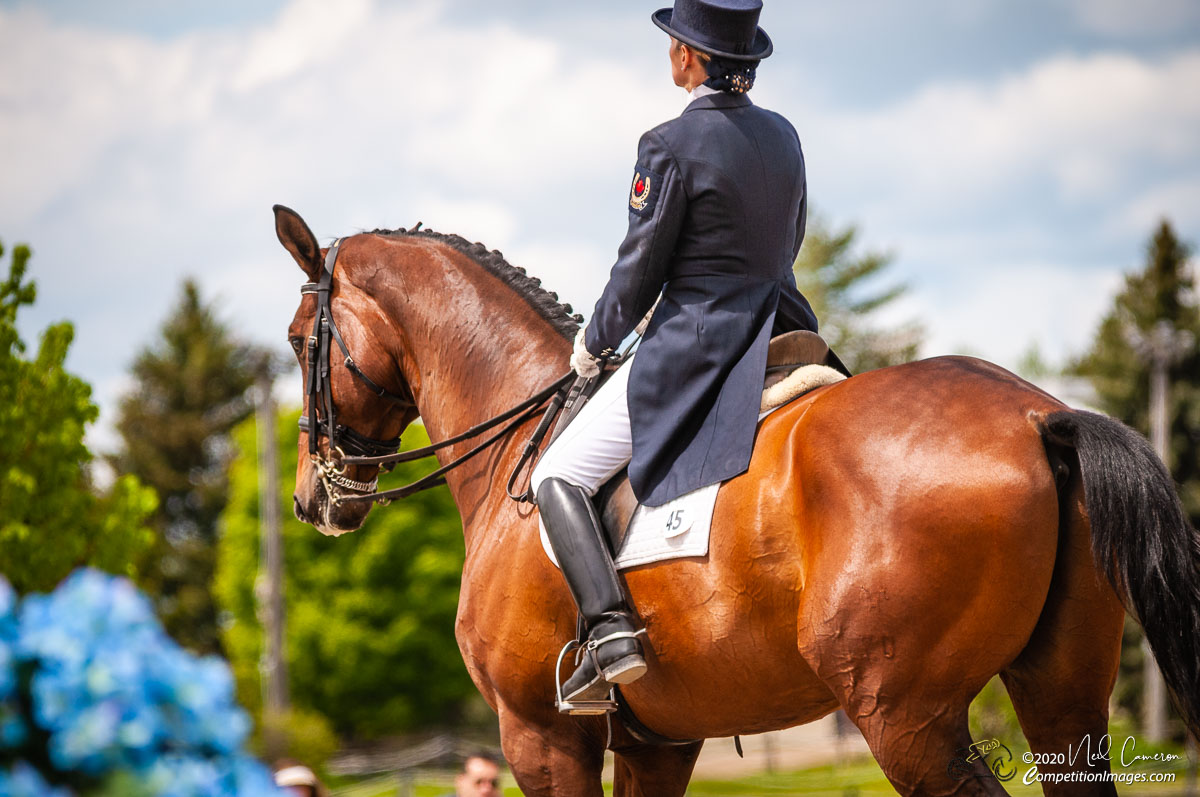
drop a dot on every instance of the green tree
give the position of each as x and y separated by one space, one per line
1119 368
190 389
842 286
370 615
52 519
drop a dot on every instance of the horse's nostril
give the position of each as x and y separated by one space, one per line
298 511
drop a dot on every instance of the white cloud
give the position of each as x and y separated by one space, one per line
1080 127
304 36
489 221
1000 312
129 162
580 269
1177 200
1013 204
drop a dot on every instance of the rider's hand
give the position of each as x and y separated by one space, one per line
583 362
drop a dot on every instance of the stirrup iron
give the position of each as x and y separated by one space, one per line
579 708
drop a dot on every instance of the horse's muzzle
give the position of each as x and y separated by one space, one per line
298 510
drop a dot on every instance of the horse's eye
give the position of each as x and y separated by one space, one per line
297 344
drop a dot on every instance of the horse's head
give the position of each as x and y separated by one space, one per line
356 400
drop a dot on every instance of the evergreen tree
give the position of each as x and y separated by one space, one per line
1118 366
52 520
839 284
190 389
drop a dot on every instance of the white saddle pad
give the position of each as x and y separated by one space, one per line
674 530
681 527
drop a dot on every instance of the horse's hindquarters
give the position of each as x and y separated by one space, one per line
890 550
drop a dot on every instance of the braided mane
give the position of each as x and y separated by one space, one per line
560 316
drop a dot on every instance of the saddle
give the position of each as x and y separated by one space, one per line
797 362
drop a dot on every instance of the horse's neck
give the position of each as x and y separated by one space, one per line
474 348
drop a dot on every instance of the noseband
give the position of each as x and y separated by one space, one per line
343 440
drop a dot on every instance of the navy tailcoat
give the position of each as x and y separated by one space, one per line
716 216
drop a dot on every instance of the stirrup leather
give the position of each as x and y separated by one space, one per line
592 644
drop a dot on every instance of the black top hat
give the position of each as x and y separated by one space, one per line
724 28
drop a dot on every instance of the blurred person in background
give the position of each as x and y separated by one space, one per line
480 777
298 779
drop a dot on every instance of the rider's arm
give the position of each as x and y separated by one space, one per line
656 209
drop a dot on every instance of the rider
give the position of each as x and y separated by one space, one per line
716 217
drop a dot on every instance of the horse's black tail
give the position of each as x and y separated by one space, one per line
1142 542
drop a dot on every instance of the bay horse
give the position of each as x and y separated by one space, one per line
900 537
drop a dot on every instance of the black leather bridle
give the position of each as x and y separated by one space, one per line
348 447
342 438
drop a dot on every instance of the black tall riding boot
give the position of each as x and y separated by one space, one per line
614 654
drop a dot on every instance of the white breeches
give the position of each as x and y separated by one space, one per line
597 444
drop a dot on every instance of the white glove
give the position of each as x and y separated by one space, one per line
582 360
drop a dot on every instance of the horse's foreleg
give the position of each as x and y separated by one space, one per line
561 758
648 771
1060 683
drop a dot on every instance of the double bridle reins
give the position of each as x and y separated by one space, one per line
348 447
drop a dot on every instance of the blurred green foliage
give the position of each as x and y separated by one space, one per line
52 518
307 736
370 615
190 388
842 285
992 716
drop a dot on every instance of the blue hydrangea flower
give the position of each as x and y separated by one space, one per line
13 732
116 694
188 776
8 635
25 781
12 729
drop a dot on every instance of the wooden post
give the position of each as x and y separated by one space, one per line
769 745
269 589
1154 694
1193 765
1162 346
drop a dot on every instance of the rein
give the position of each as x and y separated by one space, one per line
523 412
348 447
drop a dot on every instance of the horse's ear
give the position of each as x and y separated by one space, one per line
298 239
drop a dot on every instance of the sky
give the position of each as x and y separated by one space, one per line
1014 156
